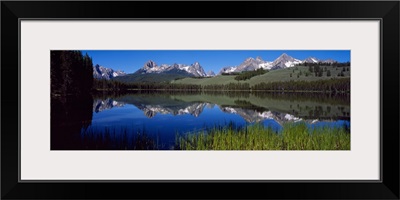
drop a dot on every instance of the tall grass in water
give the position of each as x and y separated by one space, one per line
294 136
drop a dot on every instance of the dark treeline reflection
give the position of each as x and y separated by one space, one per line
286 95
69 115
110 139
332 98
304 105
71 118
299 96
114 94
71 99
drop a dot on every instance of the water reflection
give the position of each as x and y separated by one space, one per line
69 115
100 104
163 115
251 107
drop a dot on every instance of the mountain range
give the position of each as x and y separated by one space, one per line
101 72
152 71
283 61
194 69
250 64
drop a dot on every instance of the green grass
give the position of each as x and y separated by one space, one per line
208 81
284 75
294 136
271 76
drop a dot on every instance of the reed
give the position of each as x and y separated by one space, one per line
294 136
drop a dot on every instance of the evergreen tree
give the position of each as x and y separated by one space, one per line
328 73
71 73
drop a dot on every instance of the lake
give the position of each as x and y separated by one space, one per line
142 118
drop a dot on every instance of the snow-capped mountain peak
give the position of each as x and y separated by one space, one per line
196 65
194 69
284 61
101 72
227 70
149 65
329 61
284 57
250 64
311 60
210 73
250 59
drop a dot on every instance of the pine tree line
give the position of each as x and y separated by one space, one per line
331 85
249 74
71 73
334 85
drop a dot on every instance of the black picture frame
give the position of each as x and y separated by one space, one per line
386 11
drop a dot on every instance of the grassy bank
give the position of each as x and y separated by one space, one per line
294 136
287 74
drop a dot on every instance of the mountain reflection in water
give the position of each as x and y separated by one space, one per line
163 115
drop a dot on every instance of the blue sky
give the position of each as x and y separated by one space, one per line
131 60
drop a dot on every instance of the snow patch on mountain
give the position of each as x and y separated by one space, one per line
210 73
285 61
101 72
194 69
250 64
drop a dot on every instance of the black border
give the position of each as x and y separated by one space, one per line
387 12
183 180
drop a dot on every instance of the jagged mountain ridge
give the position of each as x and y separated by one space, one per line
311 60
283 61
183 70
194 69
101 72
210 73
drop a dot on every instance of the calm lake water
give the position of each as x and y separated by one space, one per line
154 116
